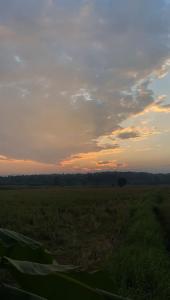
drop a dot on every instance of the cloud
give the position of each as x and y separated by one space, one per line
158 106
105 162
9 165
136 133
92 161
73 71
128 135
2 158
18 59
5 32
140 132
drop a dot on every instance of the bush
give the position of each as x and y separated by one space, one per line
122 182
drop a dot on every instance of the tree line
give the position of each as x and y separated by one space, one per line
89 179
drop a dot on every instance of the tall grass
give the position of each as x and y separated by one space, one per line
140 268
113 228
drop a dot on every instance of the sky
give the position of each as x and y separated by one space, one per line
84 86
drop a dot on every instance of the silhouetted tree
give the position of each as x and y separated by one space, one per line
121 181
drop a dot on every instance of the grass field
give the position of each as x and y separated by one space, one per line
125 231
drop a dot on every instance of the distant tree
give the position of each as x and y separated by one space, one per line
121 182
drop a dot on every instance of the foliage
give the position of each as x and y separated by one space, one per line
42 280
89 179
121 181
18 246
13 293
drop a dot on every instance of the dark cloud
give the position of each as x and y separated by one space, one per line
128 135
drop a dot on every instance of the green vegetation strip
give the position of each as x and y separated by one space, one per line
140 268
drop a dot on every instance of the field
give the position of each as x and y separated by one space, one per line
124 231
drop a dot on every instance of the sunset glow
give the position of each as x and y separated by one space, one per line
84 86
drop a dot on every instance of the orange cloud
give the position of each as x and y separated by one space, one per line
18 166
83 162
128 133
158 106
92 161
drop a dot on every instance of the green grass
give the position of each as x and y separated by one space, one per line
122 230
140 267
79 226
